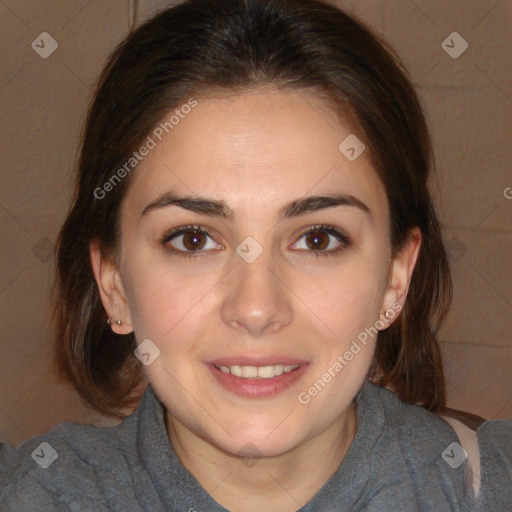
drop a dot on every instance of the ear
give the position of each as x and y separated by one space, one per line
111 289
400 273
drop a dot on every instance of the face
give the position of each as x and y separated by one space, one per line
266 282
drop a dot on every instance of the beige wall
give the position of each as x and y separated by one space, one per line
469 105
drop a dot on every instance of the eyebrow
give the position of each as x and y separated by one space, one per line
218 208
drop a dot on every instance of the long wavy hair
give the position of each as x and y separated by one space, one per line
237 45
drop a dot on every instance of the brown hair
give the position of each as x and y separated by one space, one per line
237 45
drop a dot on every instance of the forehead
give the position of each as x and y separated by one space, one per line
255 150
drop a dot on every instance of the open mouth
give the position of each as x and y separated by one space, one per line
262 381
257 372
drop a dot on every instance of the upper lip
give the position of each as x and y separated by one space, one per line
256 361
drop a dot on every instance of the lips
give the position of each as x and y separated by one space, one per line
256 361
245 382
257 372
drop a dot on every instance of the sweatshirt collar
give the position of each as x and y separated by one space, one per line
173 482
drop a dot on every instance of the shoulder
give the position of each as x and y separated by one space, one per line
410 432
489 454
498 434
65 465
424 449
405 419
494 439
484 455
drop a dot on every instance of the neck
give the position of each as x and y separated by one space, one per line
285 482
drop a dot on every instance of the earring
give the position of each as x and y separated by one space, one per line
388 314
118 322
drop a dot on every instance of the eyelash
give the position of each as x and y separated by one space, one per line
331 230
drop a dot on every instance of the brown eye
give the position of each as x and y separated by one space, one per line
323 240
194 241
317 240
189 241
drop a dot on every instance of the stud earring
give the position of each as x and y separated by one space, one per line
118 322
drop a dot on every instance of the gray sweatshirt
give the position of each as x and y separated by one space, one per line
401 459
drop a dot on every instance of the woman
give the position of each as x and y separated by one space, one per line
253 235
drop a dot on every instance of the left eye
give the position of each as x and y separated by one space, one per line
320 239
190 240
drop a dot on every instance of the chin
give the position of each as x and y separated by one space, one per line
259 445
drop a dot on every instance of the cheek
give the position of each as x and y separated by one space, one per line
350 310
349 298
162 300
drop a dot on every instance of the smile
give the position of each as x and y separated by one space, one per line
257 381
257 372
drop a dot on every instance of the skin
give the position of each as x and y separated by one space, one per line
257 151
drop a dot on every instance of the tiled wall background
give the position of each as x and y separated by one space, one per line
469 105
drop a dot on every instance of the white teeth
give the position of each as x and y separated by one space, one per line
236 370
257 372
265 372
249 372
278 369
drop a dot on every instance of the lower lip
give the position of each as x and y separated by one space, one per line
256 388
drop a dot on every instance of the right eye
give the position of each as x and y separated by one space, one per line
187 240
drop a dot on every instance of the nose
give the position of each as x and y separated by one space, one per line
257 300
